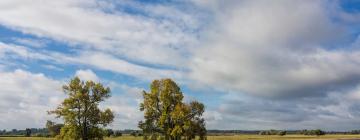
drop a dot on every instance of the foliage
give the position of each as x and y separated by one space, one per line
15 132
28 132
166 115
354 132
316 132
80 112
117 133
281 133
53 128
109 132
273 132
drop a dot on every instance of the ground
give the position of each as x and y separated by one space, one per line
235 137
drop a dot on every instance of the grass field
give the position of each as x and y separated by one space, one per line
235 137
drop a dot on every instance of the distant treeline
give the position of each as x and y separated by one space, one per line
279 132
15 132
44 132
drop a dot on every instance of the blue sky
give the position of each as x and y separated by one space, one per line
254 64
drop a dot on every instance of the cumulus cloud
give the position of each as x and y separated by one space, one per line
253 113
25 97
285 67
276 49
302 54
87 75
124 102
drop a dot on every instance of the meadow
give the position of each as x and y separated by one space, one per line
234 137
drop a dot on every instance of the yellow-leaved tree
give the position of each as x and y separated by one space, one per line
166 116
82 117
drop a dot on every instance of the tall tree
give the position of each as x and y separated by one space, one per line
166 115
82 117
193 122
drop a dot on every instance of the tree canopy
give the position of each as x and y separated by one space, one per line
166 115
53 128
80 110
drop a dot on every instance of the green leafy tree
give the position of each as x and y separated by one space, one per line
53 128
167 117
82 117
281 133
109 132
318 132
117 133
27 132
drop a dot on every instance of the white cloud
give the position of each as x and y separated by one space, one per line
52 67
99 60
287 49
139 38
25 97
107 62
124 103
87 75
31 42
10 51
252 113
275 49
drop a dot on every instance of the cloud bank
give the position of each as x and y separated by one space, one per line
269 64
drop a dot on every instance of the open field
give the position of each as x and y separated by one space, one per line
235 137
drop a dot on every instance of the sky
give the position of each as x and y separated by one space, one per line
255 64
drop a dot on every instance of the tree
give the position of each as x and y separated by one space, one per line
166 115
27 132
193 123
117 133
109 132
318 132
134 133
82 117
281 133
53 128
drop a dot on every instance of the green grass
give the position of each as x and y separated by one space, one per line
235 137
